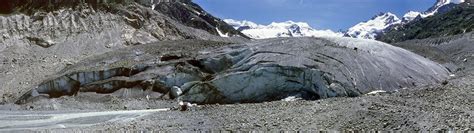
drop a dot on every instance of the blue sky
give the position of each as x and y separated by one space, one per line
320 14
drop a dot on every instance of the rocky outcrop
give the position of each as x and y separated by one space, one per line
265 70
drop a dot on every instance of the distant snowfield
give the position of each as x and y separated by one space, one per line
279 29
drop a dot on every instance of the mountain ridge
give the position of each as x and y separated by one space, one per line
458 20
278 29
371 28
376 26
183 11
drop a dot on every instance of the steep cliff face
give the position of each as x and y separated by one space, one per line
183 11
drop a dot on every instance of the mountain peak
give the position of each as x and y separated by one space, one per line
289 24
440 4
380 22
370 29
411 15
439 7
244 23
384 14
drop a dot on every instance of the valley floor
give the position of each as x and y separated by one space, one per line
438 107
430 108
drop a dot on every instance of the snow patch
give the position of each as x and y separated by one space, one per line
292 98
410 16
221 34
377 25
153 5
376 92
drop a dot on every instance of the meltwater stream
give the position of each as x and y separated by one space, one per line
27 120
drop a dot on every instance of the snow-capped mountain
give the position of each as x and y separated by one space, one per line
440 6
378 24
370 29
279 29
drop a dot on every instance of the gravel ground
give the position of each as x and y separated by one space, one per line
437 107
430 108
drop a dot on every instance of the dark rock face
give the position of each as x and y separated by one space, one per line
266 70
192 15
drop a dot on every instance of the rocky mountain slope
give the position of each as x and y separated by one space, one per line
378 25
441 6
191 14
39 38
459 20
279 29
